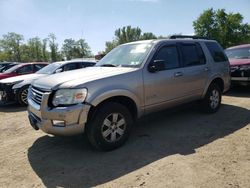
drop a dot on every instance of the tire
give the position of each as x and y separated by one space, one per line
22 96
109 127
212 101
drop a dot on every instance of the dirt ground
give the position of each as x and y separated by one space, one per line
180 148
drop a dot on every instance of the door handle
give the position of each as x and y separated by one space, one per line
206 69
178 74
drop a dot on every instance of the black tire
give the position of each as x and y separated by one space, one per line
212 101
98 126
22 95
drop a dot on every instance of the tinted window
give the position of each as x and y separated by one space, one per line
37 67
87 64
216 52
192 55
25 69
70 66
170 56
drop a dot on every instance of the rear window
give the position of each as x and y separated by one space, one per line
216 52
192 55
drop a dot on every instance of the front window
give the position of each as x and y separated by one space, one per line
128 55
239 53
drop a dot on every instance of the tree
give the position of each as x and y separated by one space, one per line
148 36
127 34
35 49
45 53
75 49
53 47
10 44
227 28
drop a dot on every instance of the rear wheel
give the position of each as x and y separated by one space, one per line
22 96
212 101
110 126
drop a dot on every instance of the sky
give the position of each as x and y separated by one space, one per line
97 20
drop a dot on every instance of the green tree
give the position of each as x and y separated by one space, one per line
147 36
10 44
35 49
127 34
75 49
227 28
53 47
45 53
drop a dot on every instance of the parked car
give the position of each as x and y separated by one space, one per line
239 58
21 69
132 80
6 65
15 89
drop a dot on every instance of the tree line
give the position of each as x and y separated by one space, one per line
227 28
14 49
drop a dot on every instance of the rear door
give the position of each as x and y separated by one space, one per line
195 70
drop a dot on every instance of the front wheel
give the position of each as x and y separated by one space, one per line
212 101
22 96
110 126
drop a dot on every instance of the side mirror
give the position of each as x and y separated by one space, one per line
156 65
58 70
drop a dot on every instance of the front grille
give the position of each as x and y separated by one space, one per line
240 72
36 94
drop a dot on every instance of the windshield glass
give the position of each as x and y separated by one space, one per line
129 55
6 67
240 53
49 69
12 69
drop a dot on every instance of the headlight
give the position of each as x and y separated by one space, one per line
69 96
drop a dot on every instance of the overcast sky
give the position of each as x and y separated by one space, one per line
96 20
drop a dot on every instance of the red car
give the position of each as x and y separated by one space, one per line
21 69
239 58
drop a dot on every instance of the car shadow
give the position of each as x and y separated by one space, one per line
71 162
239 91
8 108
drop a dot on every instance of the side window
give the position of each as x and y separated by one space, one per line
25 69
37 67
192 55
216 52
87 64
70 66
170 56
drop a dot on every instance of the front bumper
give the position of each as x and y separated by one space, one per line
64 121
7 94
240 75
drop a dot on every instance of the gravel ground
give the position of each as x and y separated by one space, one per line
174 148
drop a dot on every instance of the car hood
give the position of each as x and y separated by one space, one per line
21 78
78 77
237 62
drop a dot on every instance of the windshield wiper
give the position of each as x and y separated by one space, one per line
108 65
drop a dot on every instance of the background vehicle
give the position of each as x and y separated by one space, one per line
5 66
239 58
16 88
132 80
21 69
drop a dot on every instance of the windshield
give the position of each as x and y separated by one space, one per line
240 53
129 55
49 69
12 69
6 67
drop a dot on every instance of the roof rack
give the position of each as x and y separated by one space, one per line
187 37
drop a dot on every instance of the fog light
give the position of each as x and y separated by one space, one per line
58 123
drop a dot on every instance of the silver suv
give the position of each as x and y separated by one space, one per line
132 80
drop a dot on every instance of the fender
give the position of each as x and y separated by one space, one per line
209 81
99 97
